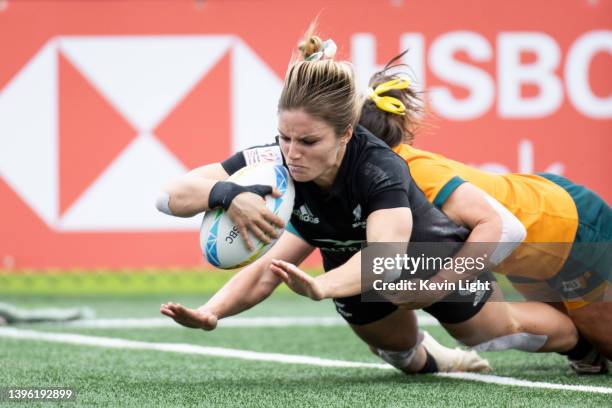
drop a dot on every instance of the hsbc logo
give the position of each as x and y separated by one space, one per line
92 126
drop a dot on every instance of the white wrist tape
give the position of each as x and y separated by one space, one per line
163 203
512 234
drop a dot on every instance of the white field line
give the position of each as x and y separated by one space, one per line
79 339
493 379
160 322
95 341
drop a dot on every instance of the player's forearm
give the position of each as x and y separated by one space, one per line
188 195
482 244
495 231
343 281
245 290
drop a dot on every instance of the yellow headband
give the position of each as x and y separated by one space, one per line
389 103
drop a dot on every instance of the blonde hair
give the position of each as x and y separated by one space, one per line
325 89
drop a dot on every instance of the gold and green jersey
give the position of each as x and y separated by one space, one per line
546 210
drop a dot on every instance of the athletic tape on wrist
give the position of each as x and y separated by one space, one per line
163 203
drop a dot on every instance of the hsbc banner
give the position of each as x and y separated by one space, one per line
101 102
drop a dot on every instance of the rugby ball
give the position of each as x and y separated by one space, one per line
220 241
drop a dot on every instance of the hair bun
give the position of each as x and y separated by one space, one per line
311 46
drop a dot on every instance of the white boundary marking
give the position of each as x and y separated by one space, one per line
160 322
95 341
493 379
78 339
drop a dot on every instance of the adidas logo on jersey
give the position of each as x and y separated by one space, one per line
305 215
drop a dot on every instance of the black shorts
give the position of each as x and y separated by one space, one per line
448 310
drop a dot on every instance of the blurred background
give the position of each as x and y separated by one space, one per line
103 101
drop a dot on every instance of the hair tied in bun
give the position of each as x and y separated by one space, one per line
328 51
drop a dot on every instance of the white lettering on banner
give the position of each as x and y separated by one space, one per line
363 56
510 76
445 67
525 162
415 58
577 74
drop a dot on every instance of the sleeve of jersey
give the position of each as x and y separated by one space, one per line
447 189
234 163
386 185
436 180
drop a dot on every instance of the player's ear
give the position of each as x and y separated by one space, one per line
346 136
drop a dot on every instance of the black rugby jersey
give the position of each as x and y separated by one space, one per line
371 177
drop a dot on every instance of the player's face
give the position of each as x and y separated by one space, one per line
310 146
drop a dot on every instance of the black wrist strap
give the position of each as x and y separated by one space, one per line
223 193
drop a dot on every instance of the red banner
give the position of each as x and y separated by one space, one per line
101 102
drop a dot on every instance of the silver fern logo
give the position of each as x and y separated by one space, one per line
357 218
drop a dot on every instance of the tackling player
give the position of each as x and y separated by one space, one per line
566 256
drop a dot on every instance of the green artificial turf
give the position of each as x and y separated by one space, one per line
148 378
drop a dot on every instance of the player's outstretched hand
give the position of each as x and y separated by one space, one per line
249 212
298 280
195 319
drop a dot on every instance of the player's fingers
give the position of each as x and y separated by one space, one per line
291 269
244 233
259 233
281 265
278 263
266 227
178 309
167 312
280 273
274 219
276 193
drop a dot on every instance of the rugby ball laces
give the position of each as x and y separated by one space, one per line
221 243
